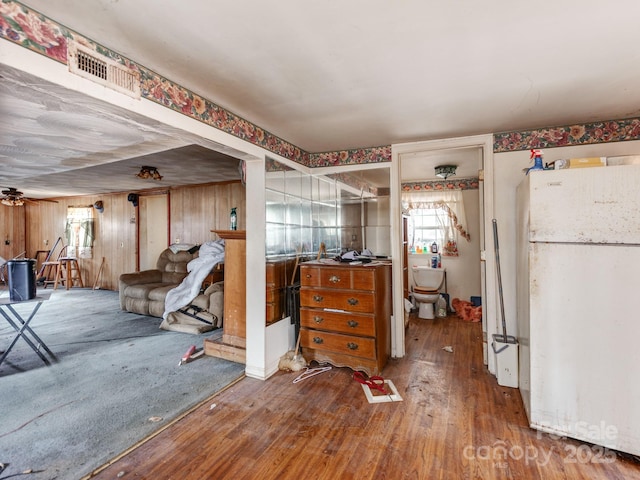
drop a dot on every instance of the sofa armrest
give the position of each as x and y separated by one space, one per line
212 301
136 278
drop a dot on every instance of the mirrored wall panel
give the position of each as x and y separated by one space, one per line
313 215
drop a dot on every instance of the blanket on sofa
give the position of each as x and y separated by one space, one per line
210 254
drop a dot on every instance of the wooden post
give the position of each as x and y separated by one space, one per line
232 346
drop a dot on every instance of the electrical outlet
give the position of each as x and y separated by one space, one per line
46 243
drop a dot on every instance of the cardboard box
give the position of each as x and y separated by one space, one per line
581 162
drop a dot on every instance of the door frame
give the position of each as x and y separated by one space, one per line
140 213
485 143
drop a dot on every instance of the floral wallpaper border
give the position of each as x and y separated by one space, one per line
579 134
355 156
457 184
32 30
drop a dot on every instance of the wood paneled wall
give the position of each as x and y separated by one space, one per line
12 233
194 211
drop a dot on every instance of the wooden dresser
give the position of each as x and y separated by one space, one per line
345 314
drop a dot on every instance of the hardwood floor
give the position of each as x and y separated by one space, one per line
454 422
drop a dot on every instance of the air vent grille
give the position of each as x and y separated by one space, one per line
124 79
103 70
91 65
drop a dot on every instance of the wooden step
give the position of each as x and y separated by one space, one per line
217 348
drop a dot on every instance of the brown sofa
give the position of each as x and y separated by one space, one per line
144 292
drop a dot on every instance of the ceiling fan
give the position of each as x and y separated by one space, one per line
12 197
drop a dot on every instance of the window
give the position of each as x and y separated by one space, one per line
79 231
428 225
435 216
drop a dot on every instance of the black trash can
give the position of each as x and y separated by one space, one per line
293 305
446 299
22 279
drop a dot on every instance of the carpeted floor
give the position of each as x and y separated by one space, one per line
117 380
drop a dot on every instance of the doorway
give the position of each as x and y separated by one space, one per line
472 154
153 229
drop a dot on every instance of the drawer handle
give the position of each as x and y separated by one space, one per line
318 319
352 346
308 275
317 340
334 279
352 323
352 301
318 298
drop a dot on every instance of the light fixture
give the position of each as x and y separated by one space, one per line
11 197
445 171
12 202
149 172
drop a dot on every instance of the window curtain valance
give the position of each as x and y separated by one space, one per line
449 201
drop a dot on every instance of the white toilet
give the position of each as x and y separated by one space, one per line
427 282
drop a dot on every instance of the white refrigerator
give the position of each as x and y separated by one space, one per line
578 303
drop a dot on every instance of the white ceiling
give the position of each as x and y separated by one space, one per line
335 75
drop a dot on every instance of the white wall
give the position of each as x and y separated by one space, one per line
508 173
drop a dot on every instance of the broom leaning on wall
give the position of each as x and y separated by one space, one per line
293 361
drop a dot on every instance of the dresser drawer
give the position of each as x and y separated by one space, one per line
346 277
279 272
274 313
349 301
338 343
353 278
363 278
309 276
276 295
350 323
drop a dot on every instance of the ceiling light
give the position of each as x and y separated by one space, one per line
149 172
12 202
445 171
